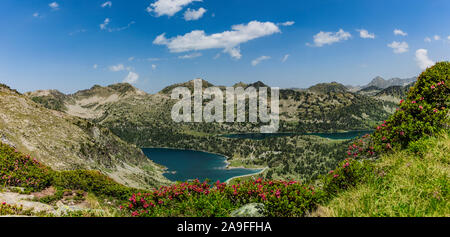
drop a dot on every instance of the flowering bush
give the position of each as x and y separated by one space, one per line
349 173
21 170
281 198
7 209
424 112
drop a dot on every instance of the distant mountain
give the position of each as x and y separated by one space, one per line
328 87
383 84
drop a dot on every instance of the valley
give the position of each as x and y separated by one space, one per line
144 120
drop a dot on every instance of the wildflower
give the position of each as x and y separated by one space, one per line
420 107
435 110
432 87
402 133
332 171
335 176
413 102
135 213
401 101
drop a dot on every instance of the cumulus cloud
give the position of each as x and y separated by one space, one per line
131 78
192 15
365 34
36 14
448 37
107 4
400 32
427 39
190 56
95 66
54 6
154 66
287 23
285 58
259 60
117 68
399 47
323 38
422 59
437 37
168 7
229 41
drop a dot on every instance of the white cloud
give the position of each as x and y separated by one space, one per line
117 68
259 60
287 23
95 66
399 47
105 23
131 78
400 32
365 34
285 58
107 4
168 7
228 40
427 39
422 59
104 26
448 37
192 15
131 59
190 56
437 37
36 14
323 38
54 6
154 66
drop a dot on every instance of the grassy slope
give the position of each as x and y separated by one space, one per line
405 184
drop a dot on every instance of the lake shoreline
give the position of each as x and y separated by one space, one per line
227 163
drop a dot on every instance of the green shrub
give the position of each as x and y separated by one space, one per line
348 174
92 181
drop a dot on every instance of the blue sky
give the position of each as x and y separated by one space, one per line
71 45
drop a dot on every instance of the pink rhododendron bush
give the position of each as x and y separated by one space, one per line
425 112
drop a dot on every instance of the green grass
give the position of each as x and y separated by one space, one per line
409 183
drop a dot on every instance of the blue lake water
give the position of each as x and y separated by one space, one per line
185 165
334 136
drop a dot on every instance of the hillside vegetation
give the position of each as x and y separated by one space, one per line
412 182
66 142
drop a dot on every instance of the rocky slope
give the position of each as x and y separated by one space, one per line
66 142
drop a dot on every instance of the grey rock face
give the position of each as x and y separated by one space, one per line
249 210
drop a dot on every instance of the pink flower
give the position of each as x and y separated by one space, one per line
420 107
432 87
413 102
401 101
335 176
435 110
